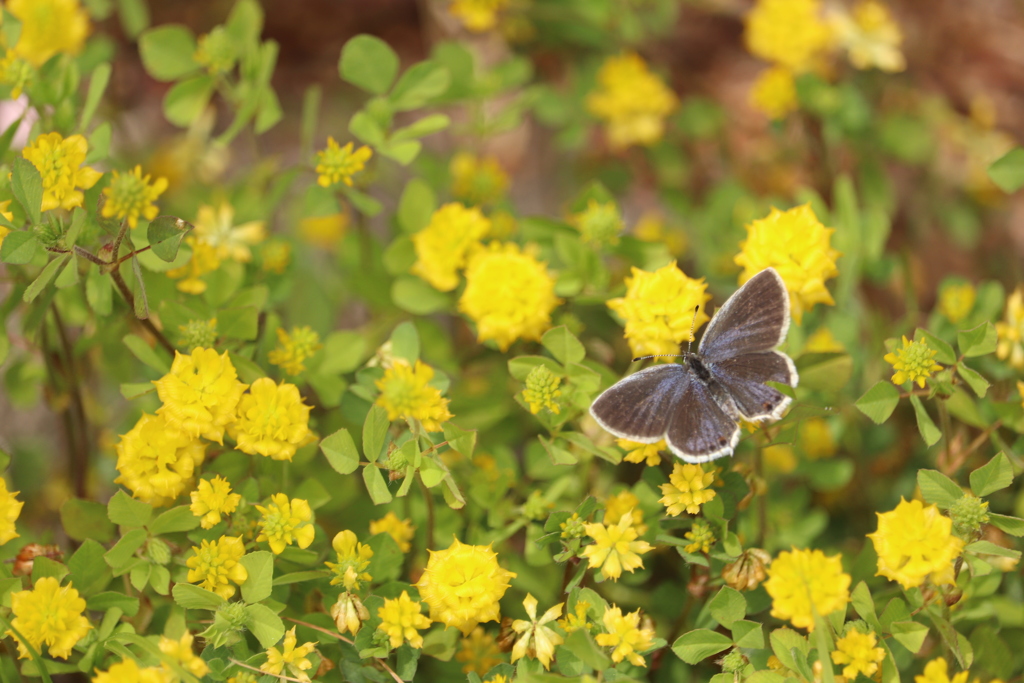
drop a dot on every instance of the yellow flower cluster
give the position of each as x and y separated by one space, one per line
600 223
59 162
700 536
401 621
157 461
204 260
870 36
353 559
623 503
181 652
956 301
790 33
804 581
405 392
294 348
401 530
477 180
443 246
859 652
774 93
480 652
338 164
215 565
216 228
915 543
285 522
1010 331
131 195
289 660
213 498
542 390
913 363
128 671
937 671
10 508
649 453
631 100
477 15
349 613
49 614
615 547
49 27
200 394
623 633
536 638
272 420
689 487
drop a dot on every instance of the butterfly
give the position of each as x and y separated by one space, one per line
696 405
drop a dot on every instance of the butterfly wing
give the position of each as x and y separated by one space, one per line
744 377
699 429
640 407
755 318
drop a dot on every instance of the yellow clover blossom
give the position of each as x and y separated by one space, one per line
578 619
336 164
132 195
276 254
915 543
463 584
600 223
401 530
615 547
799 247
10 508
477 180
542 390
204 260
815 438
198 333
216 227
774 93
649 453
631 100
405 392
128 671
700 536
859 653
689 487
349 613
289 660
324 231
477 15
59 162
870 36
480 652
956 301
49 27
200 394
157 460
49 614
509 294
823 341
353 559
215 566
802 581
536 639
914 362
790 33
659 309
15 72
1010 331
623 503
401 621
937 671
442 247
181 651
651 227
294 348
285 522
272 420
212 499
623 633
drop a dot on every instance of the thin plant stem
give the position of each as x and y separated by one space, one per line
148 324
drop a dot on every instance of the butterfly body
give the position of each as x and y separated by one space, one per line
695 405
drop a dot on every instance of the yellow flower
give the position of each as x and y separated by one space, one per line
15 72
49 27
215 565
535 638
578 619
216 227
779 457
128 671
198 333
599 223
623 633
272 420
212 499
859 653
324 231
802 581
509 294
59 162
615 547
823 341
294 348
815 438
631 100
799 247
870 36
338 164
10 508
479 650
542 390
937 671
621 504
642 452
181 651
914 362
659 309
774 93
915 543
651 227
401 530
51 615
688 489
349 613
204 260
477 15
463 584
285 522
401 621
353 559
132 195
289 660
157 460
443 245
405 392
1011 331
200 394
701 537
477 180
277 254
790 33
956 301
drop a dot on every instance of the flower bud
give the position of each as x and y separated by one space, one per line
349 613
747 572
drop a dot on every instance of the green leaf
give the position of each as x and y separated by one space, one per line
747 634
260 565
386 563
146 353
27 186
134 15
68 276
431 473
86 519
937 488
45 277
791 648
929 432
728 606
193 597
405 342
187 99
993 476
1011 525
369 63
376 485
700 644
364 203
563 345
98 82
264 624
1008 171
19 247
865 605
428 125
238 322
404 152
101 602
909 634
167 51
375 432
175 520
165 234
125 548
416 206
945 354
125 511
413 295
582 645
978 341
88 572
418 85
367 129
979 385
460 440
343 352
989 548
879 401
340 451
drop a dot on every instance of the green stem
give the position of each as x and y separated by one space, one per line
32 653
429 498
122 287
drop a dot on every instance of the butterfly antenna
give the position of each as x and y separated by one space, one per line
675 355
693 324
